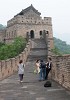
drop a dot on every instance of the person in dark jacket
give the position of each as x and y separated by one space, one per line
48 67
42 70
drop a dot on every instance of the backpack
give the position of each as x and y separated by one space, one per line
43 65
48 84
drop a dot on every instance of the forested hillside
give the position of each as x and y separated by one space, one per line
62 46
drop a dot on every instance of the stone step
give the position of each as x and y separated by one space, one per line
38 52
35 58
39 43
43 48
29 56
38 40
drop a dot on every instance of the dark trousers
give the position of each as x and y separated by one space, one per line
21 77
47 72
44 73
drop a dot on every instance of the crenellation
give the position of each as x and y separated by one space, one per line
48 20
25 20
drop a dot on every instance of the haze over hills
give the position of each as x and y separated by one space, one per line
2 26
62 46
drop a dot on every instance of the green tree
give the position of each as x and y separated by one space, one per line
56 51
13 49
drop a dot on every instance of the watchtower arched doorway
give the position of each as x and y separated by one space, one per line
31 34
41 34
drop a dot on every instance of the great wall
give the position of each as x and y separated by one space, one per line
35 29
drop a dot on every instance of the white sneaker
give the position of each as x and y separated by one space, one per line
21 81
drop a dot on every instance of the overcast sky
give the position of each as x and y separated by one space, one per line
59 10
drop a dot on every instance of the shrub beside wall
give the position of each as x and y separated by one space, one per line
9 66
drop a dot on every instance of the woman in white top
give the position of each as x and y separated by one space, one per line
38 66
21 70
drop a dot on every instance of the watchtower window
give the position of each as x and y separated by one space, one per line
9 34
35 21
47 32
40 32
32 34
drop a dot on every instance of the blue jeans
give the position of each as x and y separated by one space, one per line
44 73
40 74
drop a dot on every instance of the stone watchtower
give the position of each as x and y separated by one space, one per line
29 23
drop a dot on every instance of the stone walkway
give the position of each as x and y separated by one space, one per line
31 88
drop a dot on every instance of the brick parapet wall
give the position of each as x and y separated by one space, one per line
21 19
61 70
9 66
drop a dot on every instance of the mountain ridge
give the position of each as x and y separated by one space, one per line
62 46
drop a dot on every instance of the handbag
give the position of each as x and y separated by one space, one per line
48 84
35 71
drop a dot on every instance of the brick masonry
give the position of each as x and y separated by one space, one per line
61 70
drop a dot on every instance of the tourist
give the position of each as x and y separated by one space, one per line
38 66
42 70
48 67
21 70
